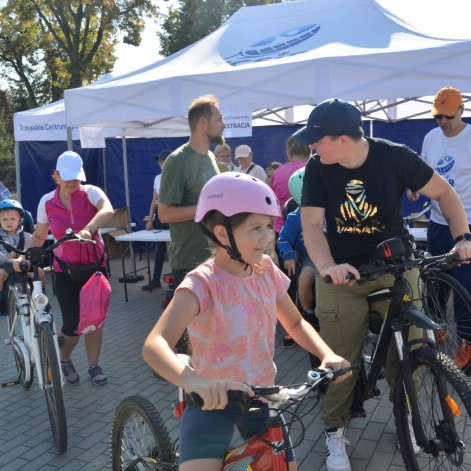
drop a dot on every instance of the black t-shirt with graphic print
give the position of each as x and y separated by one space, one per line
363 206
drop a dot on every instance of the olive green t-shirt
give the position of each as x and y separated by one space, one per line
183 176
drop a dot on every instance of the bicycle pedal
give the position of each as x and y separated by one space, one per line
10 383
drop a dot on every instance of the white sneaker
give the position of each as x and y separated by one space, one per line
337 458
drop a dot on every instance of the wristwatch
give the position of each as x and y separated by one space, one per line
465 236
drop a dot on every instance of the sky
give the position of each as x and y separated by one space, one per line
132 57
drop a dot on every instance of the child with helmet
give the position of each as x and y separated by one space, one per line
11 231
294 254
230 305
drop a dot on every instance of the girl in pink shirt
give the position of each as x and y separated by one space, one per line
230 305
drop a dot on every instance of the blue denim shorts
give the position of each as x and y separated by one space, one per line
208 433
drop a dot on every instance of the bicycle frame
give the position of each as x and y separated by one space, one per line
31 315
266 450
401 314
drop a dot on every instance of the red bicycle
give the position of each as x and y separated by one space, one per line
140 439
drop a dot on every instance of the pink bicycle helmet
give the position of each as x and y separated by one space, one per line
233 193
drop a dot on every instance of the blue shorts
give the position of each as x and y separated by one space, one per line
208 433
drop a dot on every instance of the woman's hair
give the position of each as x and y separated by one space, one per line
273 166
218 149
294 147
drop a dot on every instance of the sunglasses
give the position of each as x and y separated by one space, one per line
440 116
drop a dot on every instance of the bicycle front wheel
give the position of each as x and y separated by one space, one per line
448 302
53 386
444 405
17 338
139 438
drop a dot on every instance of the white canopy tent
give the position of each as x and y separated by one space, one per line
272 57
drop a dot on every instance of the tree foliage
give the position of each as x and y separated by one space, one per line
7 156
48 46
192 20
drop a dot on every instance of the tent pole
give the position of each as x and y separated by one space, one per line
132 277
70 144
17 171
105 173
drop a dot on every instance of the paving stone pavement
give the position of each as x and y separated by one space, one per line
26 442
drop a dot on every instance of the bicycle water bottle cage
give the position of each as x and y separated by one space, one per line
390 250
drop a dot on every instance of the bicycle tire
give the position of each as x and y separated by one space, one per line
444 405
53 386
139 438
12 309
447 301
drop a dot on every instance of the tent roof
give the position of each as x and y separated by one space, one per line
283 55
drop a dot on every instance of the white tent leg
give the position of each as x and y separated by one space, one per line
132 277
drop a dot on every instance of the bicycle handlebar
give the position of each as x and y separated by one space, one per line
279 396
425 261
408 219
36 254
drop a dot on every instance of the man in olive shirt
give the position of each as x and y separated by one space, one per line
184 174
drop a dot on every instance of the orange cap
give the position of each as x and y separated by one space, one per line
447 101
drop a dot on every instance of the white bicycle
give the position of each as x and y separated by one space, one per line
33 336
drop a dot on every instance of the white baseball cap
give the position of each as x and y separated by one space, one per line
70 166
242 151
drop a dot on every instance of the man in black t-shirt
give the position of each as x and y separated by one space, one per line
351 201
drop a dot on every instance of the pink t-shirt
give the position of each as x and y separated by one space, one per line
279 183
233 336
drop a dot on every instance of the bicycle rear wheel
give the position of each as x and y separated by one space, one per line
16 336
447 301
444 405
53 386
139 438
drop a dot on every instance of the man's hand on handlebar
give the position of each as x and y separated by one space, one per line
463 249
343 274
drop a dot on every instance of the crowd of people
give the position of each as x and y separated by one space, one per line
324 211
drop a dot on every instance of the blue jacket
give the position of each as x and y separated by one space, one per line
290 240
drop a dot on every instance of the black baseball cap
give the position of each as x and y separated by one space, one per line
333 117
163 155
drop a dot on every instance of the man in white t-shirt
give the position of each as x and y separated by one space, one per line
447 149
244 156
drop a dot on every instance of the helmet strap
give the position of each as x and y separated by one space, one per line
231 249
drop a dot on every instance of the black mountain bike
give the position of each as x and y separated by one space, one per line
432 396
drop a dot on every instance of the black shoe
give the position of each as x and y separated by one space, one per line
152 285
288 342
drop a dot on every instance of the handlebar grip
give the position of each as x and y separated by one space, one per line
342 371
328 278
234 397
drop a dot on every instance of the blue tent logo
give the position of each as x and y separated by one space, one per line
275 46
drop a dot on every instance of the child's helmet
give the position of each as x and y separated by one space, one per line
12 204
233 193
295 185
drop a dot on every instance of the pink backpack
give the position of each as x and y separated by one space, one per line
95 298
